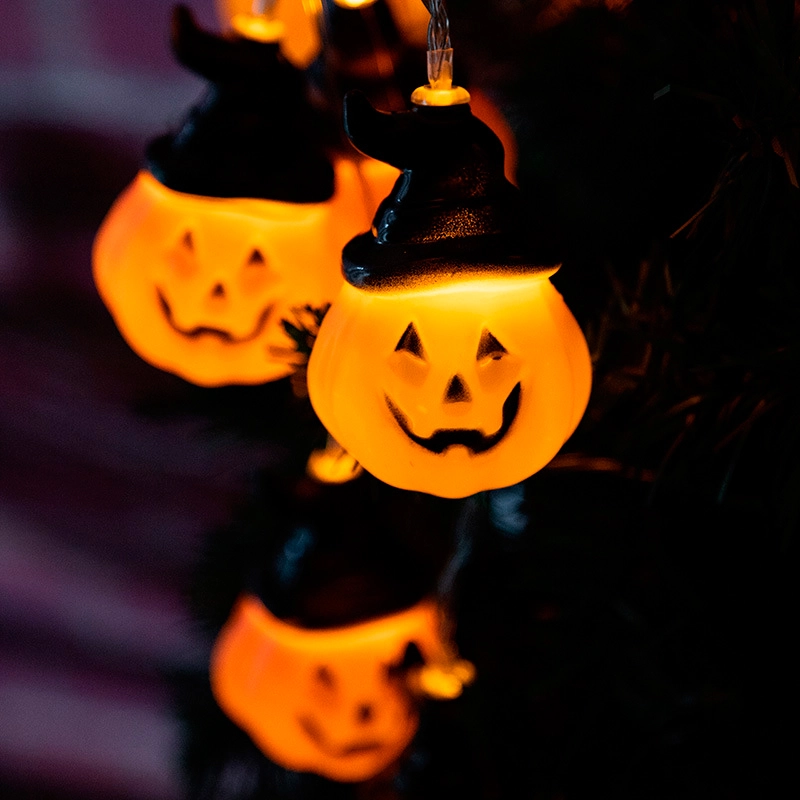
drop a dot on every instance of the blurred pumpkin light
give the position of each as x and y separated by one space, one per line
238 218
336 702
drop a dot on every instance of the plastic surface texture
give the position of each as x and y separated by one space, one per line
453 388
334 701
198 285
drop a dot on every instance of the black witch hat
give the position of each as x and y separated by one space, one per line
254 134
451 212
327 556
342 554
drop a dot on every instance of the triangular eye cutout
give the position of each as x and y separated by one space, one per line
256 258
187 241
490 347
411 342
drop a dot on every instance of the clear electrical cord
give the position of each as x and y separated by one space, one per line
440 90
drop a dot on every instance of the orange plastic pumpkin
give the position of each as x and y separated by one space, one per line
239 218
198 285
451 389
449 363
332 701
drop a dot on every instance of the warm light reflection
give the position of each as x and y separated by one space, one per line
198 286
300 41
452 387
259 29
411 18
486 110
333 464
332 701
354 3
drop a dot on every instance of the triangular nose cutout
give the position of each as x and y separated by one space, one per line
457 391
218 290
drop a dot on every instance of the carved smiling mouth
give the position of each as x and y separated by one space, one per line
200 330
312 730
474 440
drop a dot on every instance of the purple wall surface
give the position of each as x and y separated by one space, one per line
102 508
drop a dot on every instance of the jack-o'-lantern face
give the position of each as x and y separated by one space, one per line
198 286
451 388
330 701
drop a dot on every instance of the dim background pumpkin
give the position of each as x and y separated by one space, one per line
236 219
645 580
309 553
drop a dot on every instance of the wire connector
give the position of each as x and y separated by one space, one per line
439 90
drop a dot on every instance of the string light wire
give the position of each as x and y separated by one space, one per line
440 90
439 25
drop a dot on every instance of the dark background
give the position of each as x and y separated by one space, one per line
629 608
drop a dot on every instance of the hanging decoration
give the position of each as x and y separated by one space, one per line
449 363
237 219
338 636
340 702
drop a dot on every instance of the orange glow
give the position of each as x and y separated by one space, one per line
300 41
444 682
451 388
333 464
411 17
486 111
259 29
323 701
198 286
355 3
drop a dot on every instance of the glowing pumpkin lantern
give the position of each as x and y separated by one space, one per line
334 701
238 219
449 363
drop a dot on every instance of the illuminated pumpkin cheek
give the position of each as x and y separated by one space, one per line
477 385
408 370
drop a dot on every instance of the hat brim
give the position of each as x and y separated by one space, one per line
373 266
